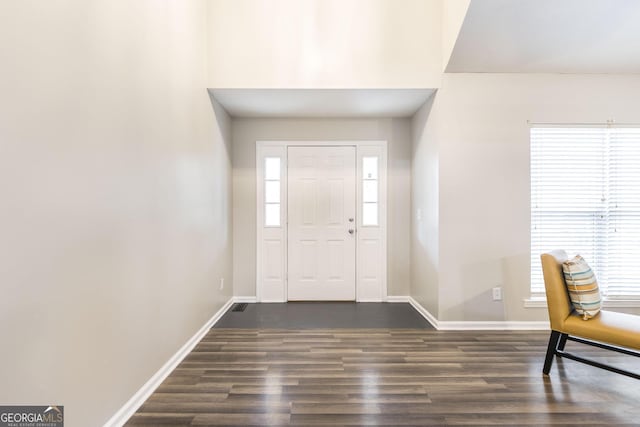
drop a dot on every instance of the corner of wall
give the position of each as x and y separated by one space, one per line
453 15
425 207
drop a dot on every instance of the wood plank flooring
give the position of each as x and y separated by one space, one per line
388 377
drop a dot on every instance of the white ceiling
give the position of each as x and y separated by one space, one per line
321 102
549 36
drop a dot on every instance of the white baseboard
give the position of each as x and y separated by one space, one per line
249 300
504 325
424 312
132 405
390 298
478 325
397 298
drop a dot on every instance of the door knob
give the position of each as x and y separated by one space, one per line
351 231
350 219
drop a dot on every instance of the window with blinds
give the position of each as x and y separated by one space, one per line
585 199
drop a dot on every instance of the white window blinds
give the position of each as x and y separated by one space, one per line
623 232
585 198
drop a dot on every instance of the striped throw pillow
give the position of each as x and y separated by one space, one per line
583 287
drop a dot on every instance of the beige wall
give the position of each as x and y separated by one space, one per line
116 207
482 139
325 43
245 134
425 208
453 14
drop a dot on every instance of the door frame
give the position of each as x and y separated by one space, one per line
273 288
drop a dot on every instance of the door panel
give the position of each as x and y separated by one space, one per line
321 203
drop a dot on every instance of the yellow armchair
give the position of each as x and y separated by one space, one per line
609 330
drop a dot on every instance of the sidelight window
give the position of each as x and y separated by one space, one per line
272 191
370 191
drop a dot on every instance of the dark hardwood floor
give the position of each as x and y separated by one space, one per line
324 315
388 377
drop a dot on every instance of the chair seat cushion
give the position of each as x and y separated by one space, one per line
609 327
582 286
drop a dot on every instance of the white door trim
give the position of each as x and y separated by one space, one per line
271 279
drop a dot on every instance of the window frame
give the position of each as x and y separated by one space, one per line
602 213
371 241
266 203
375 180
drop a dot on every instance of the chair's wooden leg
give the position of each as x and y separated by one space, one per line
563 341
551 351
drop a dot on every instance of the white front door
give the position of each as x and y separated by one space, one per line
322 226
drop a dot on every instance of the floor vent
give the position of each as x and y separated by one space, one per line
239 306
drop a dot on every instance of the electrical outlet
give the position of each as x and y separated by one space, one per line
497 293
221 283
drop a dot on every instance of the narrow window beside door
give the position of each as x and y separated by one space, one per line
272 192
369 191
